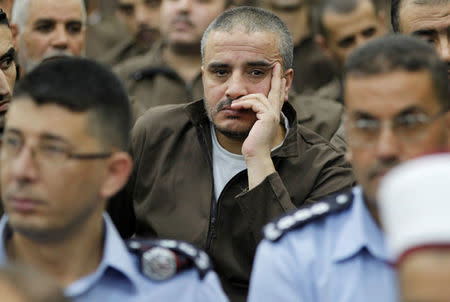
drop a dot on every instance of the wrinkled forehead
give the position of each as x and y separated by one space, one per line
55 10
421 14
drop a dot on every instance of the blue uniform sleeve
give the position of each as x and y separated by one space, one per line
277 274
211 290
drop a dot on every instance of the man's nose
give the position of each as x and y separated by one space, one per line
141 14
60 37
236 87
388 144
184 5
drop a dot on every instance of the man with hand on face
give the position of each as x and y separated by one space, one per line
141 18
397 107
214 171
46 29
62 157
428 20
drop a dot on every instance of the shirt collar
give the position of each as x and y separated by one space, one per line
115 256
360 232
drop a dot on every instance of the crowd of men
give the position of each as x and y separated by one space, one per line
221 150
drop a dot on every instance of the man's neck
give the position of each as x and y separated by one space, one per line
65 260
373 210
187 64
234 145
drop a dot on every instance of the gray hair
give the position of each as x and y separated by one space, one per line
254 20
20 13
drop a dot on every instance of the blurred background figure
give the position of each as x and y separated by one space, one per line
414 207
46 29
344 25
6 6
104 31
141 18
312 69
428 20
18 284
170 73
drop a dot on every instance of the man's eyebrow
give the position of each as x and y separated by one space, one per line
11 53
45 20
424 32
259 64
362 115
214 65
410 110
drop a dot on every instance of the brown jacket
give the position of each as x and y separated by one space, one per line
312 68
323 116
151 82
125 50
173 191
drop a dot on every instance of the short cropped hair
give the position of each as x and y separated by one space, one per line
341 7
400 52
82 85
253 19
395 10
21 12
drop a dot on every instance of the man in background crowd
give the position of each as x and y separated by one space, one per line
141 18
170 72
46 29
428 20
397 108
343 25
312 69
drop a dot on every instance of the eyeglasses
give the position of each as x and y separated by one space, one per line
407 128
45 152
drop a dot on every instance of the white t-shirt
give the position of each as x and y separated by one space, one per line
226 164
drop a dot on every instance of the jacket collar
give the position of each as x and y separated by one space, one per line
360 232
197 114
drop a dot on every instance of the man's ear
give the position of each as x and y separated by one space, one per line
118 171
289 76
321 41
15 36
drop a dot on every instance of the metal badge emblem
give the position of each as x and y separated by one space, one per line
159 264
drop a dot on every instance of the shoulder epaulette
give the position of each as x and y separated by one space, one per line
294 220
161 259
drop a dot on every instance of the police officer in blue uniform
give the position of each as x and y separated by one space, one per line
397 105
62 158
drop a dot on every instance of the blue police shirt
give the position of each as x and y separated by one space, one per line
341 257
118 278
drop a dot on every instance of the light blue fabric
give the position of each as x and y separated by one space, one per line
340 258
118 278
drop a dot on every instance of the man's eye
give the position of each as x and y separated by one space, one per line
12 143
412 121
126 9
347 42
73 27
220 72
6 63
369 32
45 27
51 150
257 72
367 125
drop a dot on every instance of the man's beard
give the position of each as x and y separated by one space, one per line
237 135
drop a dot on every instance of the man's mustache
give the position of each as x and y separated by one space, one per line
183 18
223 104
382 168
